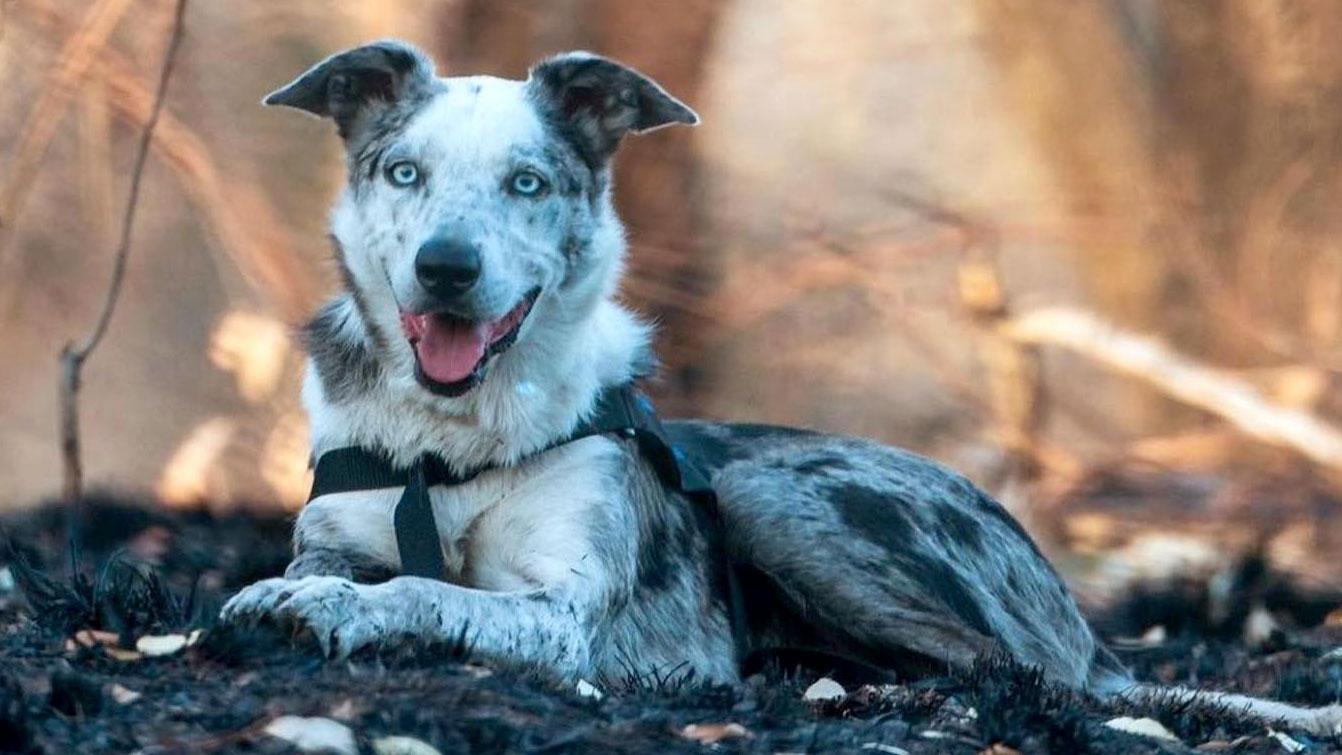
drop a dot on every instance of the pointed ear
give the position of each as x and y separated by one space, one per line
596 101
352 86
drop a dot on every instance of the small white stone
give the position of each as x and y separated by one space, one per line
1144 727
587 689
889 749
403 746
478 672
314 734
1156 635
1287 744
7 583
122 695
165 644
824 689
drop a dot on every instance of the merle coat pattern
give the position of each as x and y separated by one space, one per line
481 254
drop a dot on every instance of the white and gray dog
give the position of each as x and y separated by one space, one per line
481 256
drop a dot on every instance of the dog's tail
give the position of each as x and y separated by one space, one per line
1114 683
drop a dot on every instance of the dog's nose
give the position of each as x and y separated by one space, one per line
447 266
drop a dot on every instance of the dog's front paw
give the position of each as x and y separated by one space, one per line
254 602
339 614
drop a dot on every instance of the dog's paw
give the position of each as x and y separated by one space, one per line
341 615
256 601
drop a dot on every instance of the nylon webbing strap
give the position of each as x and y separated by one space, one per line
621 410
348 469
632 412
417 531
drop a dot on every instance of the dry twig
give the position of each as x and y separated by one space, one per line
74 355
1179 377
1015 387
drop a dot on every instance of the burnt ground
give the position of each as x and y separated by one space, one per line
139 572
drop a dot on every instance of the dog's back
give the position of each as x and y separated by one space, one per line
886 553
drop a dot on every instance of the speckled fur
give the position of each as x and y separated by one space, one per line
577 558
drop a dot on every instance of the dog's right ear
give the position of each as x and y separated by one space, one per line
353 85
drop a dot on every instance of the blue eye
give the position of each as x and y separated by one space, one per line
526 183
403 173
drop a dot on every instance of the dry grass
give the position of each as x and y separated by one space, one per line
1155 363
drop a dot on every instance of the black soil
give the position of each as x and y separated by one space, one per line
138 572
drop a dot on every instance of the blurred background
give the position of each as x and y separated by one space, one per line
1088 253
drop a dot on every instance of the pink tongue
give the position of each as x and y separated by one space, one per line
449 350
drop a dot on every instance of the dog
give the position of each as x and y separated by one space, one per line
481 253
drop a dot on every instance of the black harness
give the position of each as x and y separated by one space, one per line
622 411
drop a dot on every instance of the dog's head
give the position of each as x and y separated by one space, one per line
475 203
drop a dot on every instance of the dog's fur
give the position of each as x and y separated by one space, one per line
577 558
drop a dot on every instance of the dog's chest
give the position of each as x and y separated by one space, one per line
514 529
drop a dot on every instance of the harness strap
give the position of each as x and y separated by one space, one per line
349 469
352 468
622 410
416 530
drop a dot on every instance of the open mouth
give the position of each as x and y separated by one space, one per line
451 353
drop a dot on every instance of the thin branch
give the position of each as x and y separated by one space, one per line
73 356
1181 378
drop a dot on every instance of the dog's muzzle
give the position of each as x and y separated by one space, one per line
452 352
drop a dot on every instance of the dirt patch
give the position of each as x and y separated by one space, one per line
139 572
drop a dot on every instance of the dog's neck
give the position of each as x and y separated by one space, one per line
532 396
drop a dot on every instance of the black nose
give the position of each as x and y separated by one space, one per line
447 265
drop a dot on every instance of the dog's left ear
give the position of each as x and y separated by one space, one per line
598 101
